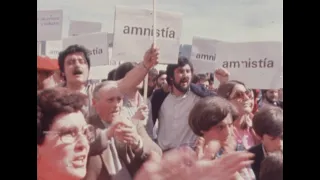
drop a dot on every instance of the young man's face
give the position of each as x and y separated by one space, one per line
272 143
76 68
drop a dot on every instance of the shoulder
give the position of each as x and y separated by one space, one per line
255 148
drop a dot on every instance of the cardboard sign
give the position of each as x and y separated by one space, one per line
49 25
77 28
100 72
203 54
133 34
257 64
53 48
96 43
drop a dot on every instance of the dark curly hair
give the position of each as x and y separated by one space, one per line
70 50
55 101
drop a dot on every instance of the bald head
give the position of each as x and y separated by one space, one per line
105 85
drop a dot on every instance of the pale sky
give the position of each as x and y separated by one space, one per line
225 20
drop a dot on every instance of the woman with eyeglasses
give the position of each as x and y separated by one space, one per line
242 98
63 136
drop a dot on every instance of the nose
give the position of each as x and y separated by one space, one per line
82 142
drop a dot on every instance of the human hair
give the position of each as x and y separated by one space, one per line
182 61
203 77
110 84
226 89
269 121
53 102
123 69
161 72
209 112
195 79
153 73
111 74
272 167
71 50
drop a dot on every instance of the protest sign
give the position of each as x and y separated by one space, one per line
96 43
49 25
53 48
77 28
110 39
257 64
203 54
100 72
133 34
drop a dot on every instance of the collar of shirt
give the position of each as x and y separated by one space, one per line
181 96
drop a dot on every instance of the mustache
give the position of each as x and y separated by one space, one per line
77 71
184 79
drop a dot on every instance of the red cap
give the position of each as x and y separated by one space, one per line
47 64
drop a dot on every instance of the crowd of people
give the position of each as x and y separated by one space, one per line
187 129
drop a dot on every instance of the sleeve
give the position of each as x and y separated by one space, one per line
150 125
147 144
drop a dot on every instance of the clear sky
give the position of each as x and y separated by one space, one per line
225 20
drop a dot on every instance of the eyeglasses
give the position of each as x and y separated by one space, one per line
71 135
241 95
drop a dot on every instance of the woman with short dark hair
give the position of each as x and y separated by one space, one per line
63 136
212 119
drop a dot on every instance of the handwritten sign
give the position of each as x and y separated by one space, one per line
49 25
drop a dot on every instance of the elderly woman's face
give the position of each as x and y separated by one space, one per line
66 147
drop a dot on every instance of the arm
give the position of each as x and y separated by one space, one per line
137 74
150 125
147 145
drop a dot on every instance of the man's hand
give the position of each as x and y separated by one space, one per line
222 75
184 164
141 113
207 151
151 57
127 133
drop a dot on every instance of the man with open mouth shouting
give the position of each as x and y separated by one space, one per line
74 64
172 109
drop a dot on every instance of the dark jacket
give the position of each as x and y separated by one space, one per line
258 158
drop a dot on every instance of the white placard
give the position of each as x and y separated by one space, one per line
49 25
77 28
53 48
100 72
203 54
110 39
96 43
133 34
257 64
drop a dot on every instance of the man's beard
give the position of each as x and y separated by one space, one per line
269 100
180 88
